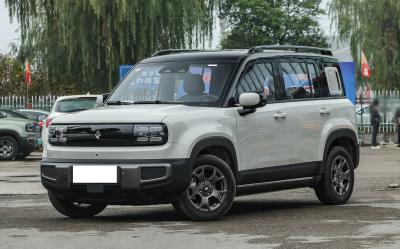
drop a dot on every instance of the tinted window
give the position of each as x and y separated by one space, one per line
296 80
75 104
319 85
259 78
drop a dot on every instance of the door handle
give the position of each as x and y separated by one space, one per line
324 112
280 115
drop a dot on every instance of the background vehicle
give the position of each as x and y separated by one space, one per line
18 137
9 113
68 104
34 114
198 128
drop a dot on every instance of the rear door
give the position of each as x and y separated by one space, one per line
306 113
263 136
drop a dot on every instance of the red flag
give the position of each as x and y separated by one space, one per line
28 73
365 69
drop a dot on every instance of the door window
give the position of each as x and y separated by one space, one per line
259 78
296 80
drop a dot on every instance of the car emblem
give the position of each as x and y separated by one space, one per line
97 134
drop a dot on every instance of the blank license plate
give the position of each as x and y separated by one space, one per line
94 174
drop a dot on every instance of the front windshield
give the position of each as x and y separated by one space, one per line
195 83
75 104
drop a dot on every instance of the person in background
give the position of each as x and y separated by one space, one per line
375 122
397 122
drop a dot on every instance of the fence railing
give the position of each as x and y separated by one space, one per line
389 102
34 102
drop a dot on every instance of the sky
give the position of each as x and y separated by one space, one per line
9 31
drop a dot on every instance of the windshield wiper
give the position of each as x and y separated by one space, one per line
76 110
119 102
155 102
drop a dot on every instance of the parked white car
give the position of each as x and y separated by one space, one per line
197 129
66 105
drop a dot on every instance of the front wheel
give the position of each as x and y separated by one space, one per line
211 191
336 185
8 148
74 209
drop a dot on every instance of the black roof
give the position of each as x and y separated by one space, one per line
229 55
235 54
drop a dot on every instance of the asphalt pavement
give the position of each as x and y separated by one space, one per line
286 219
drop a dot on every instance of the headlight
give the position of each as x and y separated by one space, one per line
150 134
32 127
57 134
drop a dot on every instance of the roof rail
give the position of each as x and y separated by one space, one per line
298 49
175 51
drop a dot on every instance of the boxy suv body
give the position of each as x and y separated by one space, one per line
196 129
18 136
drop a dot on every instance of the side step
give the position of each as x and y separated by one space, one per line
257 188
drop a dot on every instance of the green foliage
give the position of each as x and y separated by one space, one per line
11 76
372 26
82 42
266 22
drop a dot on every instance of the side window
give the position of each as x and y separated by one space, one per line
334 83
259 78
296 80
320 83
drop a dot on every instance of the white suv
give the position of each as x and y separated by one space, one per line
196 129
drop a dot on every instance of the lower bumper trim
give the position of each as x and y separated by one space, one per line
137 182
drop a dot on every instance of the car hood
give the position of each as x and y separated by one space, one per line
142 113
17 120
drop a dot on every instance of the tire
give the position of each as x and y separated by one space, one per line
211 192
9 148
336 185
75 210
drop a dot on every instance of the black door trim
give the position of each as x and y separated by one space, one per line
278 173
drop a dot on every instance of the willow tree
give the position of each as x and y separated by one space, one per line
374 27
85 41
259 22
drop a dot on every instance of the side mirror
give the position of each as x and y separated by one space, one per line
101 99
249 101
3 115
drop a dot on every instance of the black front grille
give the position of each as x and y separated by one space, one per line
98 135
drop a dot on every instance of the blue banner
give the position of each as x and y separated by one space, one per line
349 76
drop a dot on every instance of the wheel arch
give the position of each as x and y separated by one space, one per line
221 147
346 138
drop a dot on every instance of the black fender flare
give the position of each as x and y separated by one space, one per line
215 141
342 133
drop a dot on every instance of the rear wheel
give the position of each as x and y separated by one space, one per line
8 148
336 185
211 191
75 209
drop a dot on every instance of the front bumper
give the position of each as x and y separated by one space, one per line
140 181
29 144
